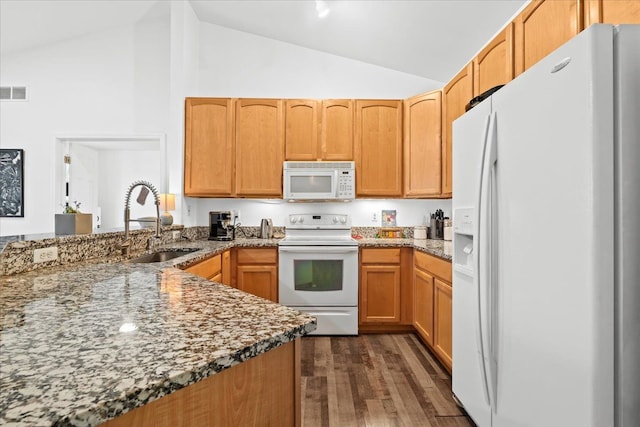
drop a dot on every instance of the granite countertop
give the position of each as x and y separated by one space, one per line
439 248
64 360
65 355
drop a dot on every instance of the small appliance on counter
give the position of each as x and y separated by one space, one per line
221 225
266 228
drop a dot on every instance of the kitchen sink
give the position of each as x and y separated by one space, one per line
161 256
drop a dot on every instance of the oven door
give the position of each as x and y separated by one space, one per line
315 276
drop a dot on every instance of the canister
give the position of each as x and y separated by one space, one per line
420 232
448 228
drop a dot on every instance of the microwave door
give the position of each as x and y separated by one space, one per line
311 184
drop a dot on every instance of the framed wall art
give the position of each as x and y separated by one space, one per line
11 182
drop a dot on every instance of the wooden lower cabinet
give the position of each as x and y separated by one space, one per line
257 272
210 268
432 316
423 304
385 294
380 293
443 320
226 268
264 390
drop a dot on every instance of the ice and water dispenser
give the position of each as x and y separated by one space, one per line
463 233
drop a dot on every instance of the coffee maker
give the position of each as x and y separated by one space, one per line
221 225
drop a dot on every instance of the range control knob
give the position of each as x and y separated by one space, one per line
335 219
343 220
293 219
300 219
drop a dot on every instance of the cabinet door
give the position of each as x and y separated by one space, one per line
301 135
423 304
494 64
423 145
260 280
456 95
542 27
442 337
208 147
208 268
226 268
380 294
378 148
611 12
337 129
259 147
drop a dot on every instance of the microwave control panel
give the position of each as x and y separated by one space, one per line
346 184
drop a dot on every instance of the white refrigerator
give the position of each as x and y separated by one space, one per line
546 258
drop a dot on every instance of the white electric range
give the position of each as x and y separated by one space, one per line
318 271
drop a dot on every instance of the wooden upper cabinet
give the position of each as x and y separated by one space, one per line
423 145
378 148
259 147
301 135
208 148
542 27
494 64
336 133
611 12
455 96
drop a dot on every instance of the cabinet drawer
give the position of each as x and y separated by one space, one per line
257 256
435 265
207 268
380 256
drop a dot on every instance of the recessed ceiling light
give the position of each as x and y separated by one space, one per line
322 8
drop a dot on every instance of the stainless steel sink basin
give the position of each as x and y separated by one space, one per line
161 256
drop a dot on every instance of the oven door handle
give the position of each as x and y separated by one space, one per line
318 249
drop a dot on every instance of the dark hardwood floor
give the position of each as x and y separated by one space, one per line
375 380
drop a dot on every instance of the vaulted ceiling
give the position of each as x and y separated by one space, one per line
427 38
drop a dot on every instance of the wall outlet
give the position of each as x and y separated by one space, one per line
374 217
45 254
237 216
176 235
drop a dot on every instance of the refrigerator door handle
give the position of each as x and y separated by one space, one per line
492 243
478 278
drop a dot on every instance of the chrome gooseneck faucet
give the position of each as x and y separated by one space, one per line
125 246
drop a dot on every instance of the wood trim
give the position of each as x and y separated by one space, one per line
264 390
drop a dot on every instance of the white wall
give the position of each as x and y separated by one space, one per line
237 64
112 82
409 212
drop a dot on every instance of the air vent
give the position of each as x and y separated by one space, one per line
13 93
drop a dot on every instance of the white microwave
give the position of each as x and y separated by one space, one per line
319 181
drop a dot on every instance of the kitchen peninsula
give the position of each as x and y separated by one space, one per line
86 343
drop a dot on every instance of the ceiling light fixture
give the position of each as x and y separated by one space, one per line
322 8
